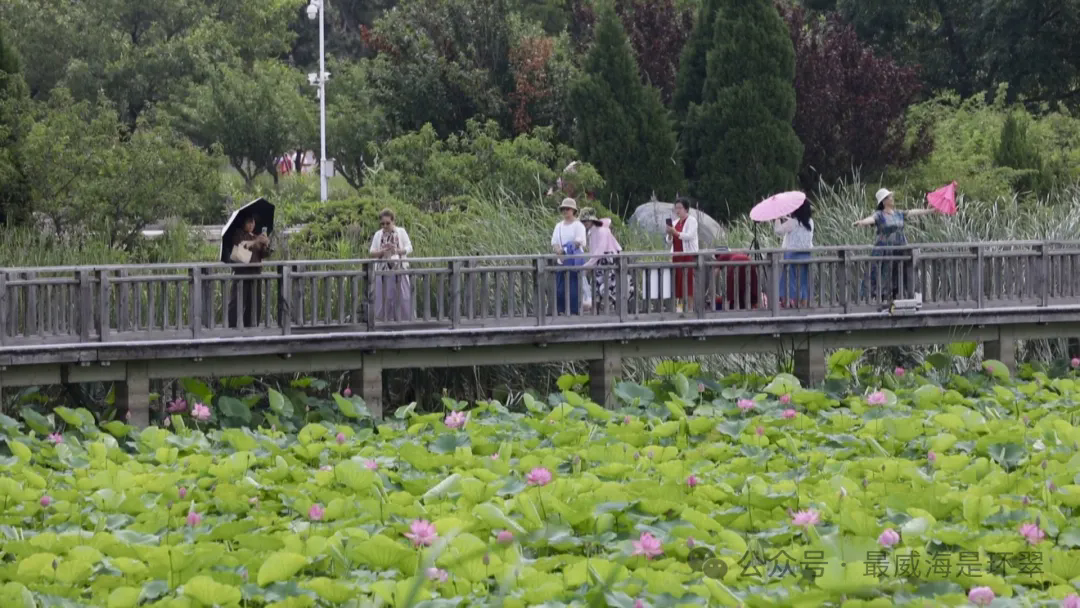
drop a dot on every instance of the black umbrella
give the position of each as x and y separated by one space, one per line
263 211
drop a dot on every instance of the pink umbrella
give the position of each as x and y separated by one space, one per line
777 206
943 199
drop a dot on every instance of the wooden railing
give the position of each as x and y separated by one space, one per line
78 305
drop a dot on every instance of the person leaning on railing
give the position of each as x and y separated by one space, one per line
251 289
889 222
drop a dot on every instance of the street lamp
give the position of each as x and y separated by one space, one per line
315 9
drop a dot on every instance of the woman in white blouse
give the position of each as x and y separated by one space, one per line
568 239
798 232
393 292
683 237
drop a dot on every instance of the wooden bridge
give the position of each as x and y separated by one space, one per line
129 324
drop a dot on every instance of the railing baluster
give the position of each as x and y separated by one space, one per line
4 319
104 313
538 296
774 282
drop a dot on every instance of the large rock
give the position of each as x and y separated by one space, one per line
650 218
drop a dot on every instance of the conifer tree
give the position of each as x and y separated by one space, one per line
739 138
1017 152
14 121
622 126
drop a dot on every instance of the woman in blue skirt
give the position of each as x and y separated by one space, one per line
798 232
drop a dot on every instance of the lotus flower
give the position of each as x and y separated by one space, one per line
495 456
538 477
789 414
877 398
55 438
505 537
1075 363
193 518
371 465
347 392
421 532
689 542
759 431
46 500
692 481
746 405
176 406
899 371
200 412
167 422
638 603
254 500
340 438
981 596
316 512
931 457
436 574
1032 533
182 491
627 420
806 518
648 545
785 399
888 538
456 420
1073 600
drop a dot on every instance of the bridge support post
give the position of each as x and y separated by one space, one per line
810 361
133 395
1003 349
371 384
603 373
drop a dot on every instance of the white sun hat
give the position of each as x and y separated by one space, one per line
882 195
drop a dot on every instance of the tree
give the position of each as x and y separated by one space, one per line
658 31
1016 151
142 53
356 121
14 123
850 102
623 128
90 175
690 79
740 136
254 115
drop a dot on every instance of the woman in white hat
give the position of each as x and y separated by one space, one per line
889 222
568 239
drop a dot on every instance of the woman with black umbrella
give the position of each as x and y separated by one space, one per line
248 250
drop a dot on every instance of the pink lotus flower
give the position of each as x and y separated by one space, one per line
316 512
806 518
340 438
648 545
888 538
760 431
627 420
166 422
200 412
877 398
505 537
538 477
371 465
899 371
326 468
176 406
55 438
640 604
495 456
1032 533
692 481
347 392
1075 363
981 596
785 399
745 405
931 457
193 518
182 491
789 414
437 575
700 388
421 532
1073 600
690 542
456 420
46 500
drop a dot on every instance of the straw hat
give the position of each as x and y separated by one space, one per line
882 195
568 203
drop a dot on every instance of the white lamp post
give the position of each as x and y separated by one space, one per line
315 9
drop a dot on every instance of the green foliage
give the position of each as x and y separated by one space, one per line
1016 151
739 141
622 126
314 511
88 174
14 114
255 115
357 122
690 80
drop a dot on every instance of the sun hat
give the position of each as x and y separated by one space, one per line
568 203
588 214
882 195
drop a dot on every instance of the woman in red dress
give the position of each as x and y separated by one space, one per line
683 237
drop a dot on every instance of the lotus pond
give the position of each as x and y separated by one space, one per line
920 487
